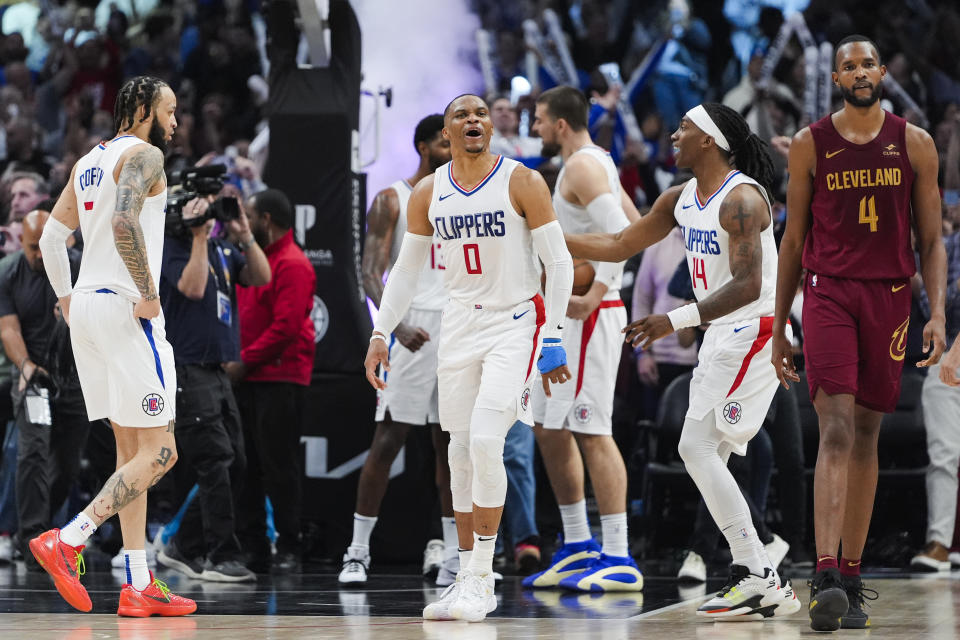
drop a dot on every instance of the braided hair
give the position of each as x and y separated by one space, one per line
141 90
749 153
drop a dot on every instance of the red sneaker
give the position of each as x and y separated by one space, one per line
65 565
156 599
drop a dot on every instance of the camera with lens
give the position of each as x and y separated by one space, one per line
198 182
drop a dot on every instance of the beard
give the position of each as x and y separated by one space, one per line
549 149
850 96
260 235
157 136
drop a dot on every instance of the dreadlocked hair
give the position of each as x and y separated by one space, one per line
141 90
748 152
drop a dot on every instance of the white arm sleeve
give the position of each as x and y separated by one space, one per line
402 283
53 247
607 211
552 249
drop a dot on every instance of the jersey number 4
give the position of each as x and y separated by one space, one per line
471 257
868 212
699 272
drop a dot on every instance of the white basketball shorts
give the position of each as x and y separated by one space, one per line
411 393
125 364
487 360
585 403
735 379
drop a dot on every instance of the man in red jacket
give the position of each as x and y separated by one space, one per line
276 341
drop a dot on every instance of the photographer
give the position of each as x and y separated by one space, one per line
198 290
50 415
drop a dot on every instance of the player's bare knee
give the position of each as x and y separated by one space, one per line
836 436
386 445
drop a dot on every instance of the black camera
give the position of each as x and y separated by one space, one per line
197 182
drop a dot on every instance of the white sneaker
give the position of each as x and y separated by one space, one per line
440 610
954 558
448 570
693 568
476 598
355 564
749 597
433 557
118 561
777 550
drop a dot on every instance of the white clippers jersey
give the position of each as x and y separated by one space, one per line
485 244
708 247
576 219
101 266
431 296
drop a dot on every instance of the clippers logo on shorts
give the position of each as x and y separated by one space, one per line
152 404
583 413
732 412
898 342
525 399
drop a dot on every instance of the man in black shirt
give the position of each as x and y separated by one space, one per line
36 341
197 288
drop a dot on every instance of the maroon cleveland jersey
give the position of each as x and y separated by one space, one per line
861 204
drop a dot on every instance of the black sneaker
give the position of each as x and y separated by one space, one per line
226 571
857 594
171 558
828 600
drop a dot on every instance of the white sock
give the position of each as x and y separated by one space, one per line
138 574
362 528
465 555
450 539
77 530
575 525
743 540
614 527
481 560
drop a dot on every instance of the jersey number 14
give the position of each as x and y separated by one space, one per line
699 272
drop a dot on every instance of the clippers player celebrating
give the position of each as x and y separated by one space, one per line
724 214
411 397
124 361
588 197
492 218
855 175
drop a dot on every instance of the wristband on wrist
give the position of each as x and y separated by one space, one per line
378 336
685 316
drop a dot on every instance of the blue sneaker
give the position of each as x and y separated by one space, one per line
569 559
606 574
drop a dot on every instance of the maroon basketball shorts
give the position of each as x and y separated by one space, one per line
855 337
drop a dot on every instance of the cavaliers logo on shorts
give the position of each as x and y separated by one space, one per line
152 404
525 399
898 342
732 412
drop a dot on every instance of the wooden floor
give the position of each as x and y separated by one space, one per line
910 607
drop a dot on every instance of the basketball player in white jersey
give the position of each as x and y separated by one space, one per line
117 195
493 220
724 214
588 197
411 396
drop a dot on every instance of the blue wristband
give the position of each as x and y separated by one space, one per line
552 355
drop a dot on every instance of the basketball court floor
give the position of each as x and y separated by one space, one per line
388 608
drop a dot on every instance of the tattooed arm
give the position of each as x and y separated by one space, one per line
142 172
743 215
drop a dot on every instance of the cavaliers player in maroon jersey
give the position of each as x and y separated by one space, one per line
855 177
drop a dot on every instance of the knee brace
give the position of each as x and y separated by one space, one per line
461 471
488 431
489 474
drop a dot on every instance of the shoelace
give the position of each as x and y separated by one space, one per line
475 586
81 566
353 561
860 596
163 588
732 582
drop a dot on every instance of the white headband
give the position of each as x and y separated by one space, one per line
699 116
